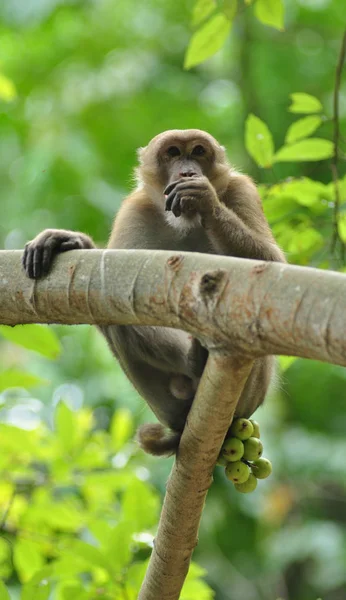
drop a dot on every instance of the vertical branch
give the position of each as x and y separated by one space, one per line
212 411
336 139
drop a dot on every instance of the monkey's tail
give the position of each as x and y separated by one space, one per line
157 440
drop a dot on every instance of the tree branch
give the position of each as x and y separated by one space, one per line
249 307
212 411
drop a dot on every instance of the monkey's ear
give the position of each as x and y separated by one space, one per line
221 154
140 153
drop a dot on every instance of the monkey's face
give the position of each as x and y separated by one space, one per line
177 154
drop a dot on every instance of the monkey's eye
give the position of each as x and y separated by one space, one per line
198 150
173 151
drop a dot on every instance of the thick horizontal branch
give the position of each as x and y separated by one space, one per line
249 306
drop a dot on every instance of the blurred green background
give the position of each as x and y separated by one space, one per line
83 84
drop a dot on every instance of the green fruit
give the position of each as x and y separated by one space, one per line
222 461
238 472
262 468
248 486
233 449
256 429
241 428
253 449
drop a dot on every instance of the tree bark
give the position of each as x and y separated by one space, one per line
191 477
249 307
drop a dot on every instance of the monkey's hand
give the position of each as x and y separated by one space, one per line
40 252
190 196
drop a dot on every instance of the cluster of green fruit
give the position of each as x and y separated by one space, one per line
241 456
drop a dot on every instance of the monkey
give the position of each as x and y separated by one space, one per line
188 197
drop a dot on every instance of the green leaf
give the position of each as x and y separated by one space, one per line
101 530
71 590
12 378
229 8
286 361
16 440
207 40
37 591
302 128
69 566
306 241
196 571
41 575
6 567
194 587
119 546
304 191
27 559
4 595
342 227
140 505
305 150
259 141
64 516
34 337
7 89
304 103
99 488
134 578
202 10
121 428
91 555
270 12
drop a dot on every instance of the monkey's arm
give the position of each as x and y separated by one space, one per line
237 225
169 350
39 252
234 221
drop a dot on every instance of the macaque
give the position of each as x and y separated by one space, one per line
188 198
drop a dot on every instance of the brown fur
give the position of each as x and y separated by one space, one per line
188 198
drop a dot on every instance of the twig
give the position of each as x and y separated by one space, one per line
336 140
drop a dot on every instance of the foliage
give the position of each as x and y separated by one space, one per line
77 517
300 232
213 21
35 337
7 89
99 79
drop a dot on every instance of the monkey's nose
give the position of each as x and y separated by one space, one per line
187 174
